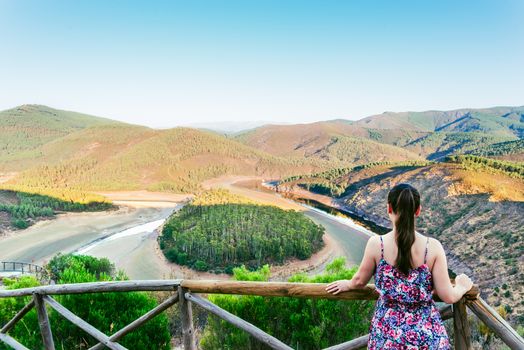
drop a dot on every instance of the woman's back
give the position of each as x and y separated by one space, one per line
407 267
405 313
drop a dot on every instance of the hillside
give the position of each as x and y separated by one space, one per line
116 157
337 142
438 145
23 129
509 150
219 231
391 136
501 121
468 210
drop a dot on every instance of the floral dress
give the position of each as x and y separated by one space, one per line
406 316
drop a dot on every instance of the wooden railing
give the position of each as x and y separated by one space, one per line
22 267
184 293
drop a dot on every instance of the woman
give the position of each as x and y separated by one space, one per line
407 266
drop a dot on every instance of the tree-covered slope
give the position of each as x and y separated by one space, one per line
509 150
219 231
438 145
338 143
127 157
501 121
23 129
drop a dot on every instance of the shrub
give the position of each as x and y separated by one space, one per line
107 312
305 323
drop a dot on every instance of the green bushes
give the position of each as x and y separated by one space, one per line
31 206
500 148
220 237
328 189
302 323
107 312
95 266
20 223
512 169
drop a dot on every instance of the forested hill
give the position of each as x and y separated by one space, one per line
501 121
123 157
219 231
23 129
59 148
391 136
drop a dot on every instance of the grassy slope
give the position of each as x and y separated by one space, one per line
130 157
339 143
501 121
509 150
438 145
25 128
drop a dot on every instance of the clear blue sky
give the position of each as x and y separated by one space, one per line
178 62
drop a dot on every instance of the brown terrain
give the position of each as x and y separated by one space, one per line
477 217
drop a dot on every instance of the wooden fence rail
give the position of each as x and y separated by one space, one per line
183 293
22 267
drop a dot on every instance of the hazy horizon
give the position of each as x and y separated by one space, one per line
177 63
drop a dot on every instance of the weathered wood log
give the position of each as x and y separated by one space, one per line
446 312
140 321
18 317
496 323
287 289
43 322
256 332
357 343
83 325
95 287
306 290
12 342
186 315
279 289
461 331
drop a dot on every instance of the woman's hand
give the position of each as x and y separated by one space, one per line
464 282
339 286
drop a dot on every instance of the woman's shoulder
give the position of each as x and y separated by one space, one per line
433 243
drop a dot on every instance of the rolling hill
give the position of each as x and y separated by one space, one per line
337 142
25 128
391 136
500 121
509 150
438 145
118 157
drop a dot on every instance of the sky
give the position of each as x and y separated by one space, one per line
168 63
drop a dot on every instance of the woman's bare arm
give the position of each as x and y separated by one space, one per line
365 270
445 290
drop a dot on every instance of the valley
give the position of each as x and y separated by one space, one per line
56 165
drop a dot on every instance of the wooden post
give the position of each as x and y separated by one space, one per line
186 315
462 334
256 332
496 323
43 321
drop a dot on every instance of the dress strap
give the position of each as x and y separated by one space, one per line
381 247
426 252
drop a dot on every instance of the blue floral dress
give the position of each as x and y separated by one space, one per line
406 316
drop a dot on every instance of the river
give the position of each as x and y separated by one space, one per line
128 236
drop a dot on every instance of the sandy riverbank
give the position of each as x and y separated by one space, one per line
145 199
68 232
233 184
138 253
